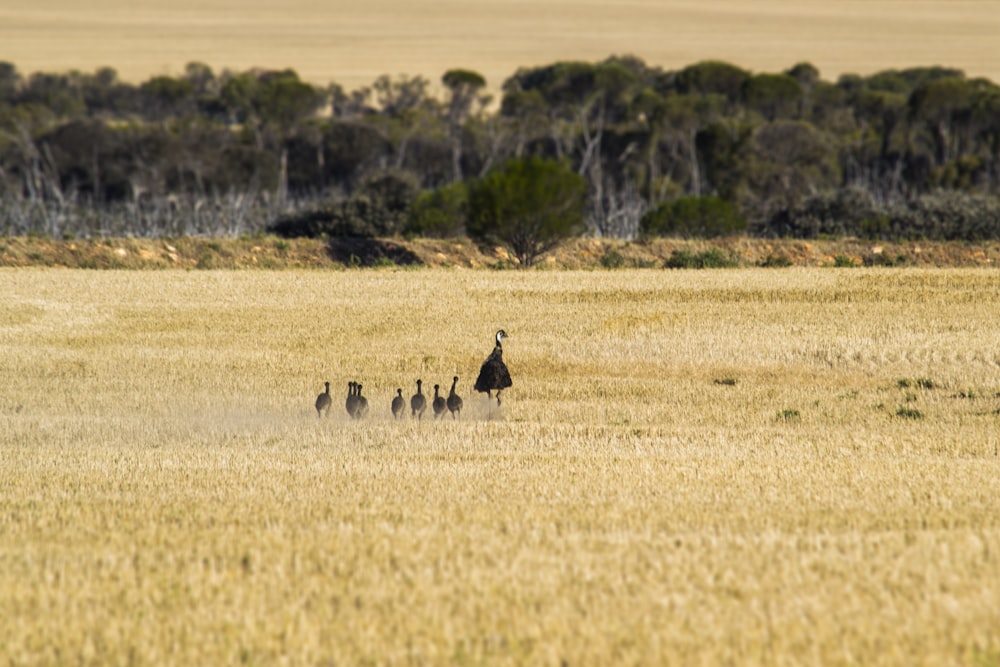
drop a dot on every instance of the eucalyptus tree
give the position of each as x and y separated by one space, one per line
773 95
407 114
464 87
939 110
578 103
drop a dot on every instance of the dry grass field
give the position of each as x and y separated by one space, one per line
352 43
782 467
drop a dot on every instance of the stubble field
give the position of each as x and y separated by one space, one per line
758 466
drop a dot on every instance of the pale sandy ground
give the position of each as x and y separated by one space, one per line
351 42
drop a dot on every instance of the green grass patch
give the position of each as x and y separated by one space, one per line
713 258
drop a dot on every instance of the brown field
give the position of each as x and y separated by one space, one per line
352 43
693 467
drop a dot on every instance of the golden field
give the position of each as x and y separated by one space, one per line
352 43
754 466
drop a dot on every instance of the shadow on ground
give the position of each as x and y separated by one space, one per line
360 251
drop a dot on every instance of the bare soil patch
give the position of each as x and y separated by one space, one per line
587 253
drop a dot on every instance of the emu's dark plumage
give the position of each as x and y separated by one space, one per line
323 402
454 400
352 400
439 403
494 376
362 408
418 403
398 404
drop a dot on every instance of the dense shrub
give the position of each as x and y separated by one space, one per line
381 207
693 217
439 213
947 216
845 212
939 216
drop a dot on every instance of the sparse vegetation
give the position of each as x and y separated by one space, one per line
269 252
789 415
844 262
712 258
908 412
919 383
775 262
612 259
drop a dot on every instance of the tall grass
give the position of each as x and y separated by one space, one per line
168 495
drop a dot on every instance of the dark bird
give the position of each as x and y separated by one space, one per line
398 404
439 403
352 400
418 403
362 407
454 400
494 376
323 402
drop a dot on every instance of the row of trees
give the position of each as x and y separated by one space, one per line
710 148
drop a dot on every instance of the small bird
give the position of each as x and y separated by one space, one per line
398 404
418 403
439 403
493 375
352 401
454 400
362 407
323 402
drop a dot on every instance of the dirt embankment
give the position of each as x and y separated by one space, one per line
275 253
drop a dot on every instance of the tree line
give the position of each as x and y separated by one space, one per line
634 149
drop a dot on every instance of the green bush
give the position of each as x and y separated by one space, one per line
531 206
776 262
693 217
843 262
708 259
789 415
439 213
612 259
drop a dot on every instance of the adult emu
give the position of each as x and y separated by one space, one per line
494 376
